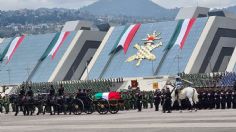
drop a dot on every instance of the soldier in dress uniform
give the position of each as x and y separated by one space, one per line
70 101
157 99
139 100
223 99
212 99
229 99
234 99
217 99
163 91
200 98
167 101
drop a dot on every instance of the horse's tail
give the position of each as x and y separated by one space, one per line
195 96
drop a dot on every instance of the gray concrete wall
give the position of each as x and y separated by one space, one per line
72 52
191 12
223 42
218 32
232 62
76 25
99 50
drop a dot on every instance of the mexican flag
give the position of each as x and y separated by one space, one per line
2 56
181 33
55 45
125 38
108 95
12 47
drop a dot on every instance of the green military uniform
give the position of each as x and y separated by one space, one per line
132 101
126 101
144 100
151 99
121 104
6 103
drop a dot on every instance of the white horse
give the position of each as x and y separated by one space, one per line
188 92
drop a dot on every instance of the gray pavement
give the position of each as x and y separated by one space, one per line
124 121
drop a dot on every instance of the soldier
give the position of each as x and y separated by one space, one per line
151 98
39 102
127 101
211 99
6 103
22 92
163 91
200 97
223 100
61 90
70 102
133 101
229 99
234 99
78 94
217 99
51 91
167 101
179 86
139 100
145 100
157 99
1 103
30 92
204 99
123 105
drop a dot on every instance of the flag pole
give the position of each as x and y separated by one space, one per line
178 60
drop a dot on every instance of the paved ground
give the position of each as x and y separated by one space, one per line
125 121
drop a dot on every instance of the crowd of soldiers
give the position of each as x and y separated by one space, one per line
208 99
217 99
138 100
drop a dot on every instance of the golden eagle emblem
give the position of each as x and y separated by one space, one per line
144 51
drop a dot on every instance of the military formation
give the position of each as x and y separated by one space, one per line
56 102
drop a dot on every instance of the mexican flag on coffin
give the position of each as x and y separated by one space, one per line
108 95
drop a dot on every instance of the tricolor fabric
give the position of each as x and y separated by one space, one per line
184 31
55 45
181 33
108 95
3 54
126 38
12 47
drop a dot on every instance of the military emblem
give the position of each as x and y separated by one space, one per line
144 51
